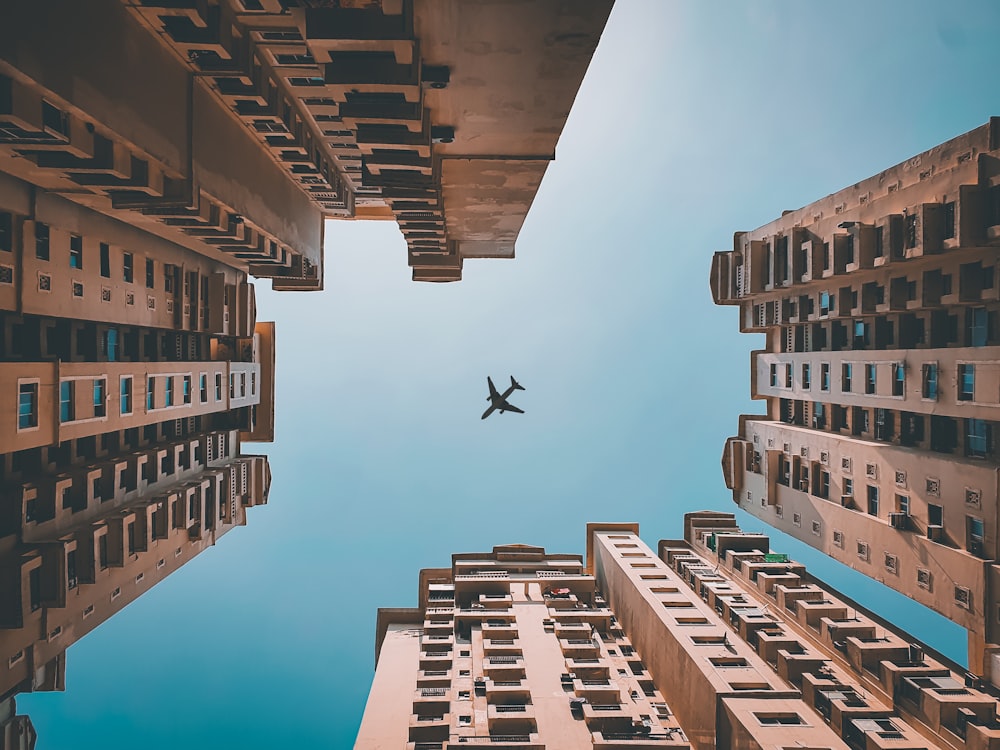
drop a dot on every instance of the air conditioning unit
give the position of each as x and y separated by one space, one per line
898 520
916 653
935 532
847 501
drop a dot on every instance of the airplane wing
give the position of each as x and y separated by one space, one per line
493 390
488 412
508 407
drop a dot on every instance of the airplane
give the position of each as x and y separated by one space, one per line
499 400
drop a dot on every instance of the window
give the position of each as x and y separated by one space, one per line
100 391
977 326
168 277
778 719
898 379
105 260
125 389
845 377
929 379
977 438
27 406
869 379
848 486
806 377
885 424
861 334
218 386
41 241
66 410
243 385
232 385
35 588
102 556
825 303
774 375
75 251
872 500
824 485
903 504
127 267
824 376
186 389
6 232
975 531
203 387
150 394
788 375
110 344
168 399
150 273
935 514
966 382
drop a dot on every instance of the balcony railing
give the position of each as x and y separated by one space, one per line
496 739
513 709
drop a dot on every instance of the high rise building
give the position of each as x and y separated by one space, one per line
711 641
513 648
242 124
880 373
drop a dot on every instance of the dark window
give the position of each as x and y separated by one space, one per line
884 424
869 378
41 241
975 531
302 59
75 251
100 389
898 379
806 376
977 326
930 378
966 382
102 556
150 273
66 405
105 260
879 242
125 387
131 538
944 434
110 344
6 232
845 377
949 220
912 223
127 267
824 374
977 438
27 405
872 500
35 588
71 569
774 375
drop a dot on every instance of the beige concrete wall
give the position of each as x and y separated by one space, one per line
241 386
948 564
656 610
385 724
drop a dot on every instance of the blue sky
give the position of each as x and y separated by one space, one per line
696 119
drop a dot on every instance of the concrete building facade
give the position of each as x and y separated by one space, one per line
235 127
879 305
710 641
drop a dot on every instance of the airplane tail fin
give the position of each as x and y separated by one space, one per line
515 384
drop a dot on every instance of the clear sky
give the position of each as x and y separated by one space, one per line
696 119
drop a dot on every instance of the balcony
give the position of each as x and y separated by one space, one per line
528 741
672 737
